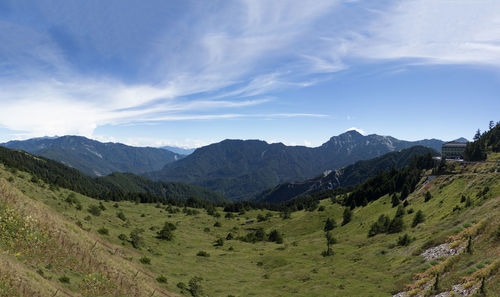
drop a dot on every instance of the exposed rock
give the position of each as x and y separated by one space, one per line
443 250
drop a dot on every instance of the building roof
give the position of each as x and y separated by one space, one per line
454 144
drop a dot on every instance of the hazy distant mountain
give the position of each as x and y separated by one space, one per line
95 158
178 150
242 168
350 175
461 139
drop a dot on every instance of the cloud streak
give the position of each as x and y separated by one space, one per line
228 58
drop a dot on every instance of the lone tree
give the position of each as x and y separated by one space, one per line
329 224
329 241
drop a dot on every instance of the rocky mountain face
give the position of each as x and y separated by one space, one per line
95 158
240 169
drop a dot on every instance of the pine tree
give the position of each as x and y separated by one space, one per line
347 216
329 241
329 224
477 135
395 200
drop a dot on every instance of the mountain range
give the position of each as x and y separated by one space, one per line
95 158
350 175
240 169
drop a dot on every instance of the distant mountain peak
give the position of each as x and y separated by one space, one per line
461 139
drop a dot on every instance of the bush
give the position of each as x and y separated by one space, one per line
203 254
101 206
419 218
275 236
181 286
64 279
219 242
229 236
123 237
161 279
404 240
121 216
195 287
253 237
217 224
103 231
166 233
94 210
428 196
206 229
135 237
145 260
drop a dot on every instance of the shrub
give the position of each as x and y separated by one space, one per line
94 210
195 287
123 237
181 286
321 208
166 233
206 229
203 254
135 237
428 196
219 242
275 236
229 236
419 218
217 224
404 240
103 231
101 206
64 279
161 279
145 260
121 216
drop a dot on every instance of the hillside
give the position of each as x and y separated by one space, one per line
240 169
95 158
195 254
350 175
116 186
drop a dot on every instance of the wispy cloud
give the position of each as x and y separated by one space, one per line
229 58
434 32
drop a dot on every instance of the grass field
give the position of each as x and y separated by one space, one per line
360 266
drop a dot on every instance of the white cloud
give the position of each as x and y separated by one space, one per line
435 32
226 58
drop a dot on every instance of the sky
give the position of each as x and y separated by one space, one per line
190 73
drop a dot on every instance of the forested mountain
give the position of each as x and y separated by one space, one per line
348 176
116 186
242 168
95 158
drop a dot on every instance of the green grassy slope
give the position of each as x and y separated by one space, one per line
360 266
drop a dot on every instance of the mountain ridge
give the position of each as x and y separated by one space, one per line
96 158
242 168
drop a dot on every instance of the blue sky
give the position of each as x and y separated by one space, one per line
189 73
